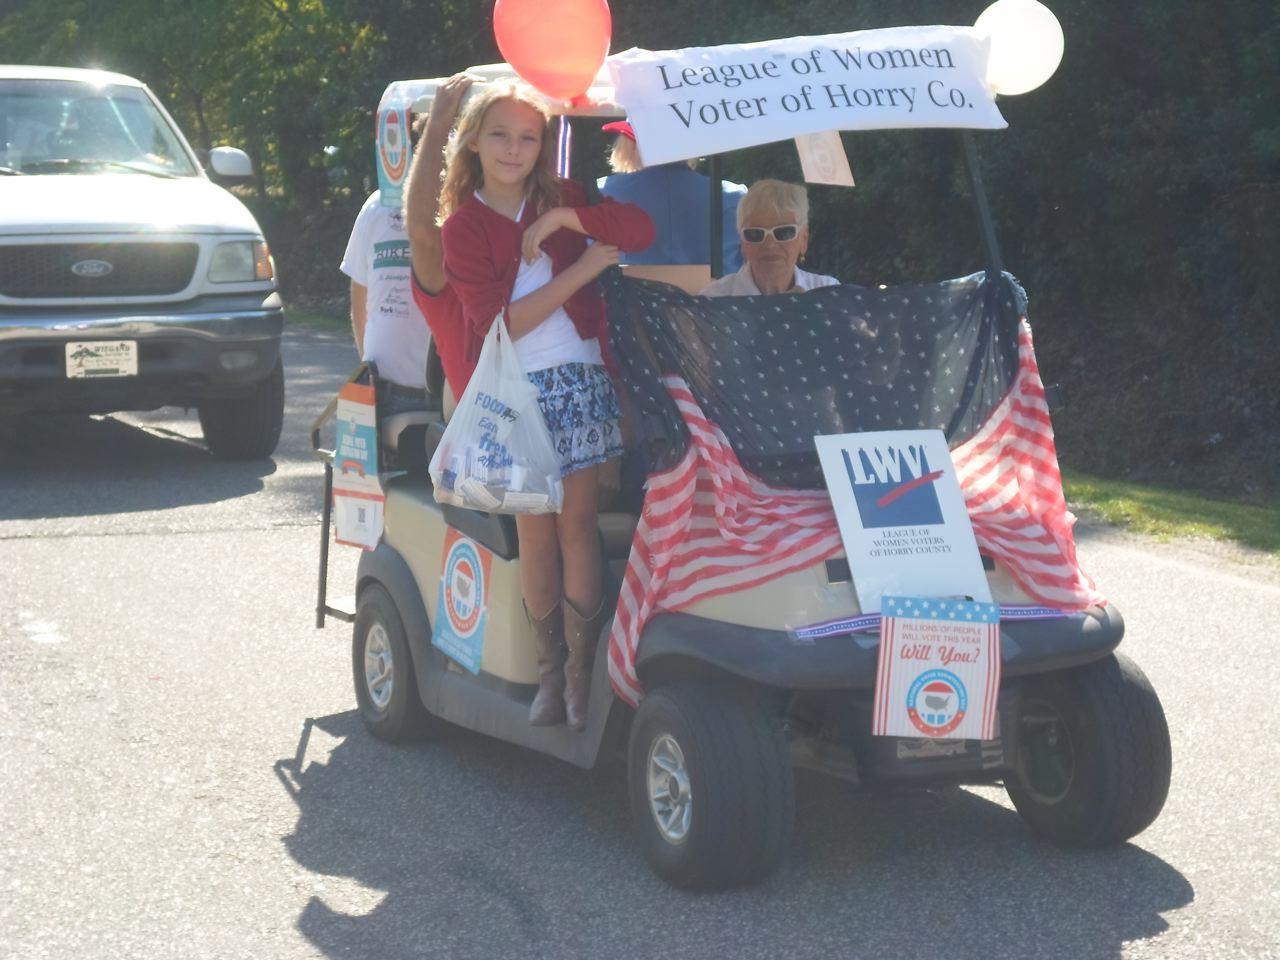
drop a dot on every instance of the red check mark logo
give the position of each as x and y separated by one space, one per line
904 488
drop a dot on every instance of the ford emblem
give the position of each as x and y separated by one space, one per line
91 268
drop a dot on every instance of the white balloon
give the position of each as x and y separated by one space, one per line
1026 45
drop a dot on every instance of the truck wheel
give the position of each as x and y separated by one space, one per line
247 427
382 668
712 792
1094 759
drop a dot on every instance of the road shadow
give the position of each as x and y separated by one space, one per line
486 850
75 466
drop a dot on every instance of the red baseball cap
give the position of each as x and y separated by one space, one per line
622 127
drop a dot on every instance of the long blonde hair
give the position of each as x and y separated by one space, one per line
463 173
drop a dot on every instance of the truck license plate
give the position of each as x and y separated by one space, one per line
102 358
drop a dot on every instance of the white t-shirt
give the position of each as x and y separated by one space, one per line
742 284
555 340
377 258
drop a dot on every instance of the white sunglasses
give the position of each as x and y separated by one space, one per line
782 233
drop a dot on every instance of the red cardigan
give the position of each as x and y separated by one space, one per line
482 257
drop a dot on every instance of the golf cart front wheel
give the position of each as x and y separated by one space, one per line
1094 759
382 669
712 792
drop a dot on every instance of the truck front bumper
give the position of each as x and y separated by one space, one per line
207 348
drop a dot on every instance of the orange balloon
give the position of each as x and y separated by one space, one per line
556 45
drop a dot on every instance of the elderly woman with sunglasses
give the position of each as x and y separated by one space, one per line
773 226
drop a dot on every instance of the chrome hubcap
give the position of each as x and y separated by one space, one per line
379 670
670 797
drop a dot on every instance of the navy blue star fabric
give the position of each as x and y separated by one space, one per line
772 372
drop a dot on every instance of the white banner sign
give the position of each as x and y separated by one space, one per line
706 100
902 517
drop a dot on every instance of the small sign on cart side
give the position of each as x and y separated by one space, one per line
358 498
462 605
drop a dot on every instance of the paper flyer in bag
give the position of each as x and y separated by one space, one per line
496 454
939 669
358 498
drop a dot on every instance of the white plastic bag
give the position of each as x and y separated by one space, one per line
496 454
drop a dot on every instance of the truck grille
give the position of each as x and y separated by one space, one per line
44 270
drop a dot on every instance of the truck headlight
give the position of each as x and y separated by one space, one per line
241 261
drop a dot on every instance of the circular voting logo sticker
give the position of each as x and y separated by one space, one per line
936 702
393 139
463 588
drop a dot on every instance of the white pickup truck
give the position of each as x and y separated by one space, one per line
129 280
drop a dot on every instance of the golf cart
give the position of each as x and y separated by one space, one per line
736 694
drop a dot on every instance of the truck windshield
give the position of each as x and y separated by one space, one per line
66 126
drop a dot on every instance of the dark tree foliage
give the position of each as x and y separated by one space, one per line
1137 194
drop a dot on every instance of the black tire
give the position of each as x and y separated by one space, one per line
247 427
1094 759
740 783
395 714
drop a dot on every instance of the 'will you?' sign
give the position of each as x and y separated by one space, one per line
939 669
705 100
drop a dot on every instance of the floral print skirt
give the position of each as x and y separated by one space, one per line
582 412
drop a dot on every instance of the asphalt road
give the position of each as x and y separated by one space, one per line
182 772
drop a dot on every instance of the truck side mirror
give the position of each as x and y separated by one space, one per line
229 163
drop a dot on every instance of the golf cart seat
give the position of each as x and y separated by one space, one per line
689 277
402 429
404 436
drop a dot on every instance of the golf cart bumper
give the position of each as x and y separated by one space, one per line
207 348
775 658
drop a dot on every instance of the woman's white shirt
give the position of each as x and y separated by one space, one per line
742 284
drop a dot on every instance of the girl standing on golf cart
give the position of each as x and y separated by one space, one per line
515 245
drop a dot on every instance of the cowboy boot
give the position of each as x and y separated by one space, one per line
580 634
547 708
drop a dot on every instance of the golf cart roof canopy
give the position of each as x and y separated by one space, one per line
598 101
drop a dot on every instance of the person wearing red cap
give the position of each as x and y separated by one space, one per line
677 199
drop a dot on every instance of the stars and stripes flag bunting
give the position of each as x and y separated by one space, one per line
709 528
734 497
1012 487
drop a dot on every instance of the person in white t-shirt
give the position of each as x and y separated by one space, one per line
389 328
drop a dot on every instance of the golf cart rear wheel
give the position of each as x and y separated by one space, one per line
247 427
382 669
712 792
1094 759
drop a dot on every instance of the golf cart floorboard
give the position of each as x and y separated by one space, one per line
489 708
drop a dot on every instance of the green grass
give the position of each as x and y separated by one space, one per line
315 320
1165 513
